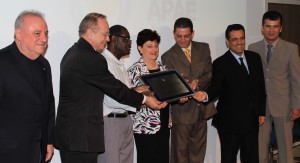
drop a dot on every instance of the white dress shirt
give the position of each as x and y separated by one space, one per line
117 68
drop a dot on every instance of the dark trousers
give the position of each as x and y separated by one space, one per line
77 157
153 148
26 152
232 142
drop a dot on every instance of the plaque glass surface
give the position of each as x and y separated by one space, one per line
167 85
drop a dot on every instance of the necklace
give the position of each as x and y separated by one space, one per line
152 67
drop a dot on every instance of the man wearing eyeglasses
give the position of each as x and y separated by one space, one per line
85 78
118 132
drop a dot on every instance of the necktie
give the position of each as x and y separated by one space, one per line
243 65
188 54
269 52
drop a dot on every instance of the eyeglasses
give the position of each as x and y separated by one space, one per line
105 34
124 37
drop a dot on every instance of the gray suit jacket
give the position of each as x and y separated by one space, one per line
282 76
200 68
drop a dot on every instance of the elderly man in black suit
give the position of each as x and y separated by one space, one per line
84 80
238 81
27 111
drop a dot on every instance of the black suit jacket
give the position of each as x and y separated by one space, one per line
84 80
242 97
27 114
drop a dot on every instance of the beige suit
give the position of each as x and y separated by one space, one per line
188 139
282 81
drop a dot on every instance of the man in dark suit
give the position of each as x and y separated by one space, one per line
238 81
27 111
282 78
189 130
84 80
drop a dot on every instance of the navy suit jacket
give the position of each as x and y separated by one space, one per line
27 114
242 97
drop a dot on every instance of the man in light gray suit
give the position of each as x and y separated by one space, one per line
188 134
281 65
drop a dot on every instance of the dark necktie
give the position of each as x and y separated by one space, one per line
243 65
269 52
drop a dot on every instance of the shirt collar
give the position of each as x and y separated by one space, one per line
189 47
237 56
110 56
274 43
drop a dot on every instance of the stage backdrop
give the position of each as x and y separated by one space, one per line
210 20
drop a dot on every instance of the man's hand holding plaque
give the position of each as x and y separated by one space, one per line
168 86
143 89
151 101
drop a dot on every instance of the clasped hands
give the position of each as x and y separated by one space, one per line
200 96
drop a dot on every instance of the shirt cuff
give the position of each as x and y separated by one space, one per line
144 100
206 100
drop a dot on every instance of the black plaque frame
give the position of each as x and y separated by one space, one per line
167 86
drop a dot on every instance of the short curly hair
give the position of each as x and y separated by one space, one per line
147 35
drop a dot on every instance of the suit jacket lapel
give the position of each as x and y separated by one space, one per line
195 54
250 63
235 64
275 54
231 58
279 49
262 52
181 55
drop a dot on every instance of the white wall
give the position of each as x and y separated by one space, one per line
210 20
